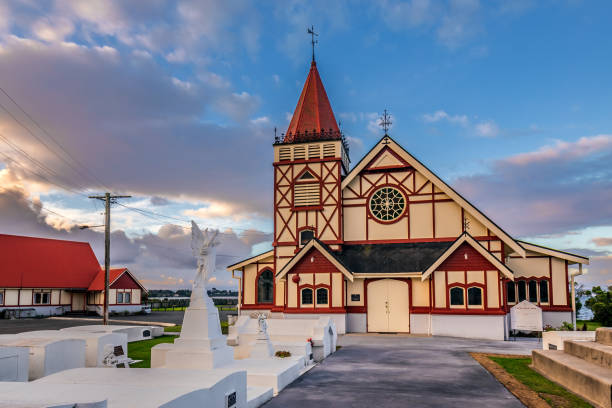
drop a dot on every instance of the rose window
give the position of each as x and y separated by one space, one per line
387 204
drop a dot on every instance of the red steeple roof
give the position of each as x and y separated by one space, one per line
313 113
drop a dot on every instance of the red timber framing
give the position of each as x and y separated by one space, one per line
312 265
466 258
550 306
325 219
260 267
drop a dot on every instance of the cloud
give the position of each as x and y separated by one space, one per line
135 127
601 241
558 188
166 253
486 129
53 30
441 115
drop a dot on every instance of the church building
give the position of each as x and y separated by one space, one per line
387 246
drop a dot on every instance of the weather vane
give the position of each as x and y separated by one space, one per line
312 33
385 121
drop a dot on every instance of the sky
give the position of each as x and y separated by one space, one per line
175 103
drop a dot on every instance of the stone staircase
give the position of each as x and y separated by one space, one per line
583 367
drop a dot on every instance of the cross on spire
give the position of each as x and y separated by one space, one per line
312 33
385 121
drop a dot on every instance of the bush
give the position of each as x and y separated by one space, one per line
566 327
282 354
600 302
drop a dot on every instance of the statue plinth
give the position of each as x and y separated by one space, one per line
201 344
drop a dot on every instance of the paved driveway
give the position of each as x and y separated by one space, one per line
402 371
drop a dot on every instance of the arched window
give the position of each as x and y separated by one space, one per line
456 296
265 287
321 296
511 289
307 296
474 296
533 291
543 291
522 291
306 235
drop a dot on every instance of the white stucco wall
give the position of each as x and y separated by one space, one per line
356 323
339 319
490 327
419 323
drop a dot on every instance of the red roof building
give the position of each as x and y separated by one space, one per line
49 276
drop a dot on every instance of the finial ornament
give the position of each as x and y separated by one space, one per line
312 33
385 121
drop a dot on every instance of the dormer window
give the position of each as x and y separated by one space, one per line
305 236
306 191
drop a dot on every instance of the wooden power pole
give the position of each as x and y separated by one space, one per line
108 199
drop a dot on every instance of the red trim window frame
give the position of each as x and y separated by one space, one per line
304 228
259 273
378 188
123 302
538 287
42 292
466 287
314 288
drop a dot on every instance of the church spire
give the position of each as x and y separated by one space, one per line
313 118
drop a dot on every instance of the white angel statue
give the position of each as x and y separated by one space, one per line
203 245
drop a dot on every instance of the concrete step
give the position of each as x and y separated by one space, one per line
603 335
590 381
590 352
257 396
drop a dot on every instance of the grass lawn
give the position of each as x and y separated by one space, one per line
591 325
553 394
141 350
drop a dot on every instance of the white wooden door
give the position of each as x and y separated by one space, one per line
399 317
388 306
378 318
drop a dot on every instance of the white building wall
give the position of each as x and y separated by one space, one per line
419 323
356 323
490 327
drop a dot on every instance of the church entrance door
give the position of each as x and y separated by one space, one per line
388 309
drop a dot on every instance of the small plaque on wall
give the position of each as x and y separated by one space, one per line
355 298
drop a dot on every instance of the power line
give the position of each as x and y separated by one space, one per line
40 165
42 141
152 214
22 167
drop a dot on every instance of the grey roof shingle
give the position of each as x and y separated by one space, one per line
391 258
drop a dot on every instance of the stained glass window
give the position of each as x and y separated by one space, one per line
511 289
307 296
543 291
387 204
456 297
533 291
265 286
475 296
321 296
